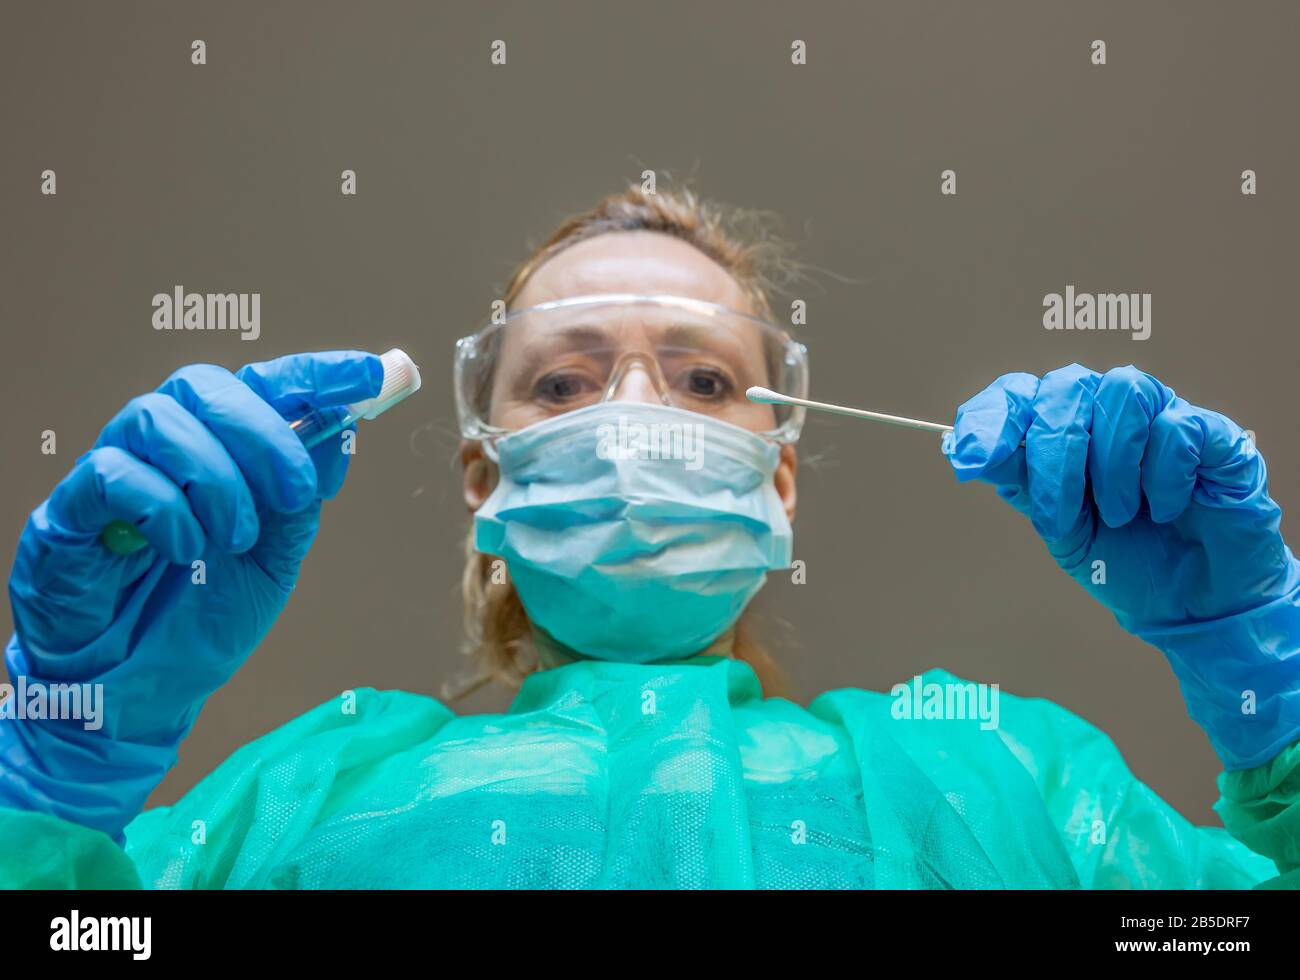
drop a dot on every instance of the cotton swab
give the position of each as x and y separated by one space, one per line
768 397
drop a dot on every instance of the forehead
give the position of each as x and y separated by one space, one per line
643 262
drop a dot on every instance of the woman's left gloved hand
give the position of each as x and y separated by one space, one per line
1161 511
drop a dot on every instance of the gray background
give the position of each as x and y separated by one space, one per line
226 178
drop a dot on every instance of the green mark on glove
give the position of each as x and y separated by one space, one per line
122 538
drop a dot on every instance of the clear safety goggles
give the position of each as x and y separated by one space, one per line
539 362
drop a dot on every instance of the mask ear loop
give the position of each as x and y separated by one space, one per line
649 363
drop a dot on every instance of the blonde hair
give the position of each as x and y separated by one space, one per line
498 634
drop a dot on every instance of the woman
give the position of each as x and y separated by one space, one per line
627 501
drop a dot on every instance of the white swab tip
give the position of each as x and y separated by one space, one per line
764 396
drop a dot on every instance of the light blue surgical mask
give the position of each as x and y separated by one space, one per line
635 532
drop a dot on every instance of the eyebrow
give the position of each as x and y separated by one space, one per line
571 336
679 332
673 332
706 338
579 335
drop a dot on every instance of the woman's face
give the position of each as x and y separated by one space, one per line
643 263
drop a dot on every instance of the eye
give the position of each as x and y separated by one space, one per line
707 382
561 386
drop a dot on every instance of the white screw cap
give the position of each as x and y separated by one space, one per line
401 378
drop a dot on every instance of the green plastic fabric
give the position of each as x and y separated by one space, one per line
607 775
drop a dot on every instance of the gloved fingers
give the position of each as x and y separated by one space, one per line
284 543
1011 479
108 483
331 465
1172 458
1191 447
155 428
324 379
1231 469
1126 402
274 462
989 428
1056 449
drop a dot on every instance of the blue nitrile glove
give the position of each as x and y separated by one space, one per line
207 468
1173 499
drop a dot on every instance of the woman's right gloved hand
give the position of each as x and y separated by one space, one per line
209 471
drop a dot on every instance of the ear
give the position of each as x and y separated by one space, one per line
480 475
784 478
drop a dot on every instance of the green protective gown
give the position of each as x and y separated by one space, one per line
605 775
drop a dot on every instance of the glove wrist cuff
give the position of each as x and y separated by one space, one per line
1240 676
